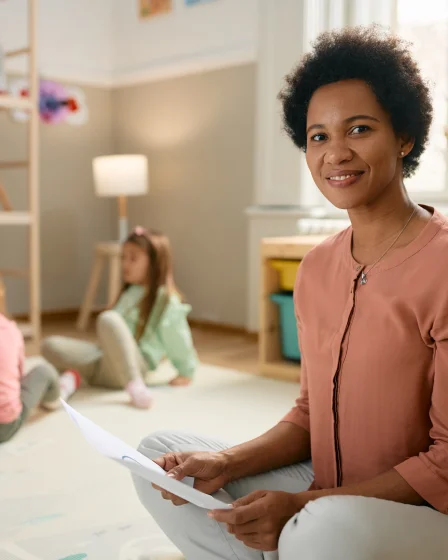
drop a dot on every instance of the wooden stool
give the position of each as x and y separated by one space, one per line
103 251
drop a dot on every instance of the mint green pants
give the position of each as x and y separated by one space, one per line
112 363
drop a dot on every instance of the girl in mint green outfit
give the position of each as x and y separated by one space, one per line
147 324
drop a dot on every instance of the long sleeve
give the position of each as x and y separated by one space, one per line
427 473
11 370
175 335
21 356
300 413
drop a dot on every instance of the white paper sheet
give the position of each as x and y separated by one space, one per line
113 448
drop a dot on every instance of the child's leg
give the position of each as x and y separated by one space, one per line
122 361
72 354
40 386
8 430
122 366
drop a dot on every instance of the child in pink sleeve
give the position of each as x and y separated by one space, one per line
20 393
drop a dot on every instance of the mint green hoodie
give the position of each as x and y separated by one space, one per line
167 335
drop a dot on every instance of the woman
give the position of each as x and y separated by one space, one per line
372 308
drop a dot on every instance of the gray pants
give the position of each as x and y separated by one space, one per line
334 528
41 385
111 364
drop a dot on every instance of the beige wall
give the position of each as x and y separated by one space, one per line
198 133
72 218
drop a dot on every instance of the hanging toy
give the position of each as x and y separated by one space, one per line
57 103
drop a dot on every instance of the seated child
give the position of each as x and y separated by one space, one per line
20 393
148 323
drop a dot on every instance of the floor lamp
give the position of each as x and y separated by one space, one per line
121 176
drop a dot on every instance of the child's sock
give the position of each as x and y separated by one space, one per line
141 396
69 382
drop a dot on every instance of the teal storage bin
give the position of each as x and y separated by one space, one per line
288 326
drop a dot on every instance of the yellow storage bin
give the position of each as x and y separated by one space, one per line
288 272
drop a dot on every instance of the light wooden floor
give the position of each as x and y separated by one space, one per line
218 347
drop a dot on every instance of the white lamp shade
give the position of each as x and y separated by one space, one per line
120 175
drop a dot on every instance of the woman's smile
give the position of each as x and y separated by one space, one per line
340 178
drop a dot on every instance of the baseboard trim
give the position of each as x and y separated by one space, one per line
71 314
223 327
57 314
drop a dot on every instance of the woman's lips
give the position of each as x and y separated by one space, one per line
347 179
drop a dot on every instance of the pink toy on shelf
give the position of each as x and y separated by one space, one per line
57 103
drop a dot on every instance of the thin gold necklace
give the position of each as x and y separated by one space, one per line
364 273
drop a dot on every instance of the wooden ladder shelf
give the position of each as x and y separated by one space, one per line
30 217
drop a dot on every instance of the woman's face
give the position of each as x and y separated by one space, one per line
352 151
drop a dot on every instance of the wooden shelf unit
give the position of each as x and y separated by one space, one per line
14 218
271 362
17 52
14 102
30 218
13 164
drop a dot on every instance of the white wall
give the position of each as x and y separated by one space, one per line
201 37
104 42
75 38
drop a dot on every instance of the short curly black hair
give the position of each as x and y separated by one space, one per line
380 59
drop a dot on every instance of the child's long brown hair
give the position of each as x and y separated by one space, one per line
160 272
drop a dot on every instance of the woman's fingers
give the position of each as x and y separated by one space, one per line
160 461
238 515
172 498
168 496
178 501
190 467
167 461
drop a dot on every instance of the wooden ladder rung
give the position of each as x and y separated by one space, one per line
16 218
8 102
18 52
16 272
13 164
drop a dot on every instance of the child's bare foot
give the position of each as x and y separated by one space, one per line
180 381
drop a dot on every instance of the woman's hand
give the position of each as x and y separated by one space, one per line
258 518
210 470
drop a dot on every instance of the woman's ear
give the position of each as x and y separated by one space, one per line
405 146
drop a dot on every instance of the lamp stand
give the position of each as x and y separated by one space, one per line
122 218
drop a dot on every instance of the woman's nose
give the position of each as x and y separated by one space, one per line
337 153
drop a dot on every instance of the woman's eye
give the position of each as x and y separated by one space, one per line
360 129
318 137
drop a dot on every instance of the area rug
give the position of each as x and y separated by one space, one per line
60 500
